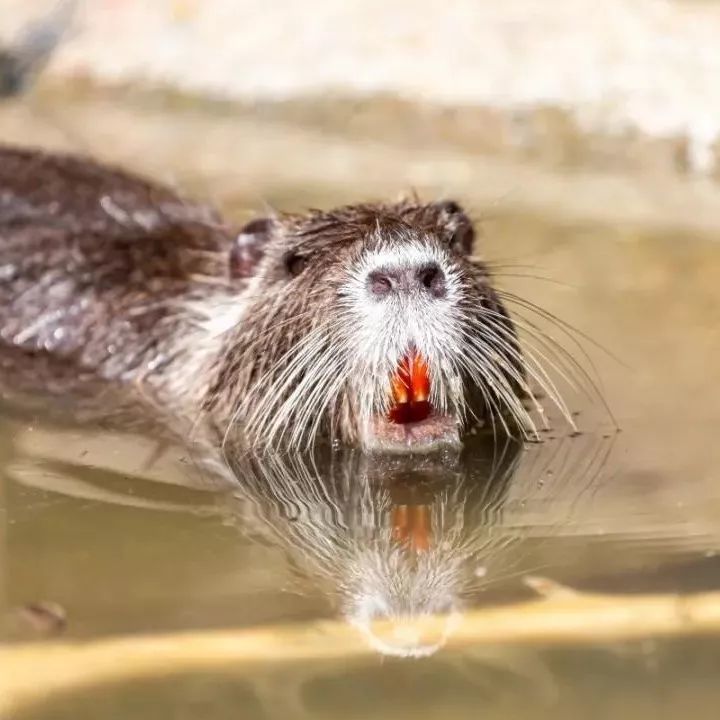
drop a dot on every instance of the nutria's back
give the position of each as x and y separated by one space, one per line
96 264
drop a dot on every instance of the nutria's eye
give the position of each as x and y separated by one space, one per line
296 263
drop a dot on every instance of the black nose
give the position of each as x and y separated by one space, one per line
427 278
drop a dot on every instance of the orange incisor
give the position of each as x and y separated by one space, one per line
411 390
411 526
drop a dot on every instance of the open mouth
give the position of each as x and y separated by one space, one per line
410 391
412 423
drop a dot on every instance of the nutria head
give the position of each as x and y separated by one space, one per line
369 324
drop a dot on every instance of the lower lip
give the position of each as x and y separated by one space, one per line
432 433
410 390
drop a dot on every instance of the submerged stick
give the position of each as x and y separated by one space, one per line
32 673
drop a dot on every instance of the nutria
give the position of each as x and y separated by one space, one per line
370 324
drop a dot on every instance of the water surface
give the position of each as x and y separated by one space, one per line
131 536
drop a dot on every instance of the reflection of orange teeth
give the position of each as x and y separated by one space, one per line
411 526
410 390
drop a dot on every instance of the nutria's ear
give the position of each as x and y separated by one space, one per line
457 226
249 247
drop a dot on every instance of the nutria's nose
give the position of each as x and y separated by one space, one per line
426 278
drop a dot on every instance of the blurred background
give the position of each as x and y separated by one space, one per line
368 97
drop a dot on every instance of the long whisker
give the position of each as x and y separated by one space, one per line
559 351
534 367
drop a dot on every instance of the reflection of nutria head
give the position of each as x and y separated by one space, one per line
369 324
392 541
395 543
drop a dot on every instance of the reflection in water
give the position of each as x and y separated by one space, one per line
384 538
390 538
401 538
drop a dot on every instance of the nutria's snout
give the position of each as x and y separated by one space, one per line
414 339
409 309
412 278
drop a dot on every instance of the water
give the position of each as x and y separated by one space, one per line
133 537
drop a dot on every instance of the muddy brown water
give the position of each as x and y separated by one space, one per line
128 537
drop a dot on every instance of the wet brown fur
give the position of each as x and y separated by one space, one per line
98 269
